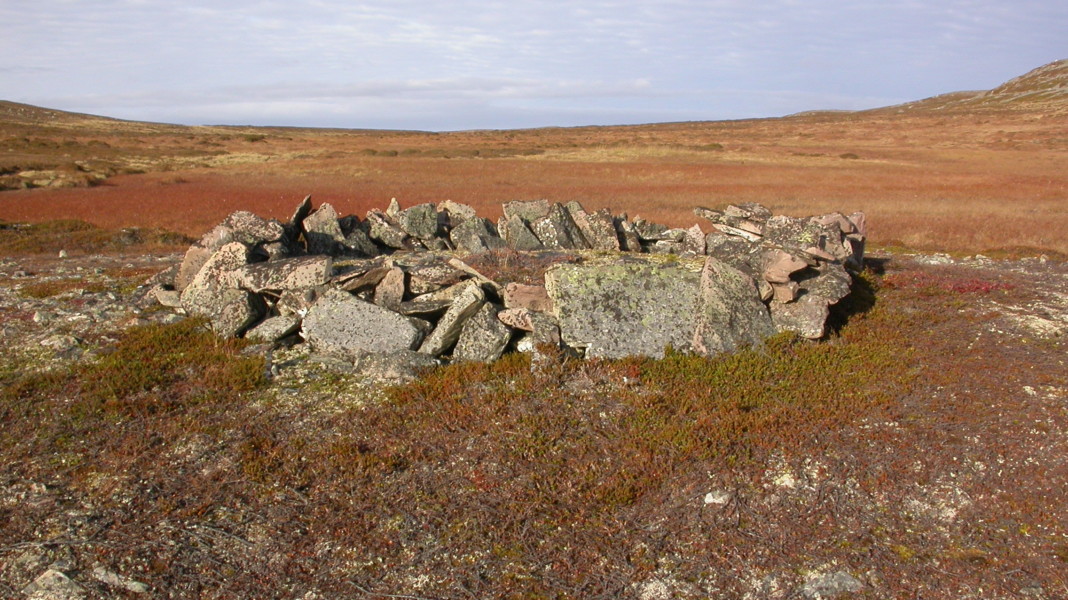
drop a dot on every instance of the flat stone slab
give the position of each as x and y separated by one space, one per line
285 274
340 323
620 308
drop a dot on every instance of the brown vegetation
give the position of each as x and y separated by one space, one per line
983 176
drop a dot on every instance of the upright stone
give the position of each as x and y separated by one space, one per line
483 338
390 291
385 231
730 313
517 234
558 230
626 307
451 324
475 235
322 231
213 293
420 221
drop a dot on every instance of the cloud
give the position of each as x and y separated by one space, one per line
565 59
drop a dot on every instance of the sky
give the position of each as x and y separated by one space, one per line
466 64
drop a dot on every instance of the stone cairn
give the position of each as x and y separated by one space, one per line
390 295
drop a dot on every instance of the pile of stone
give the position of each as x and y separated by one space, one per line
390 294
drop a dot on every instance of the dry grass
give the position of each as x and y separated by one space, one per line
964 182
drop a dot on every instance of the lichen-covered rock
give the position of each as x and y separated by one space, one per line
420 221
558 230
397 366
627 234
730 314
384 231
779 265
516 232
274 328
528 210
339 323
390 290
626 307
285 274
476 235
451 214
252 229
806 316
448 329
484 337
213 293
322 233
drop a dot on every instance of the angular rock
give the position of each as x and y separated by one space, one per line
274 328
622 308
322 233
694 241
390 291
650 232
714 216
600 231
484 337
517 234
398 366
736 252
785 292
252 229
423 309
747 210
365 281
213 294
452 213
528 210
745 235
476 235
285 274
447 332
384 231
627 235
558 230
806 316
796 233
168 298
531 297
779 265
420 221
115 580
829 281
341 324
53 585
730 313
300 213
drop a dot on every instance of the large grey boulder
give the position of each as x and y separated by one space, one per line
806 316
448 330
730 314
484 337
626 307
213 293
285 274
341 324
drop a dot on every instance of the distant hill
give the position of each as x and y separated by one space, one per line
1042 89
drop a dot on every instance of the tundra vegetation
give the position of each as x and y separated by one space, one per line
917 449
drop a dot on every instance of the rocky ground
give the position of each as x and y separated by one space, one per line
954 491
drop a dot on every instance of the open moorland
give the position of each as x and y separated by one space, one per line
918 450
963 173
